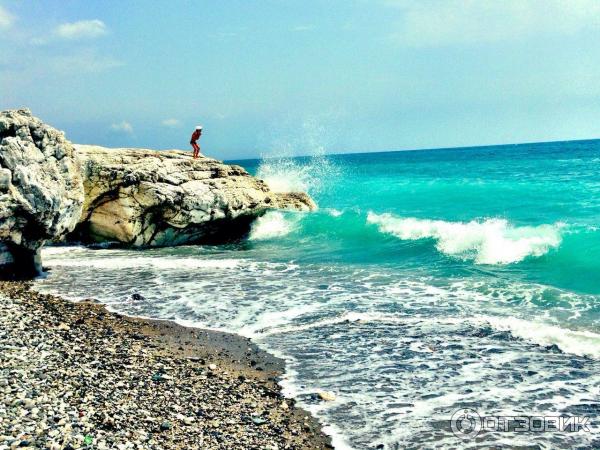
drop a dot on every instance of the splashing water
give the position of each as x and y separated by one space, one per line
272 225
312 174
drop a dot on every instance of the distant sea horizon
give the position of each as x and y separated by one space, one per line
274 154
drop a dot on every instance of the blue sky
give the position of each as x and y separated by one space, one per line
300 77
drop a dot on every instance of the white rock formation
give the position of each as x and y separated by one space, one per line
41 190
144 197
50 187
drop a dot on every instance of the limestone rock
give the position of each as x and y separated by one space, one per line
41 190
144 197
52 190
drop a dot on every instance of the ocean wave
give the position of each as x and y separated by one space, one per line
491 241
273 224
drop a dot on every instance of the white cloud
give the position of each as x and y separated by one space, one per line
123 127
6 18
449 22
171 123
83 29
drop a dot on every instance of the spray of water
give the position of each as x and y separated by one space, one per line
284 171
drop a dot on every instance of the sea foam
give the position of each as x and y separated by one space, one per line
491 241
577 342
273 224
115 263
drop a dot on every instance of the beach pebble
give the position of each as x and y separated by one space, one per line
256 420
328 396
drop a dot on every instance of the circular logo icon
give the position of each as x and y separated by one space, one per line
465 423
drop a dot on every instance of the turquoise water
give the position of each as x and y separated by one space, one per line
553 186
427 281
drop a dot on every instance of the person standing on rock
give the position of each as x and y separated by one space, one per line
195 136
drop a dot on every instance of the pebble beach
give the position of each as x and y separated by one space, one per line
74 375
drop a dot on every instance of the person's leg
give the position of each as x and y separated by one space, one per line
196 149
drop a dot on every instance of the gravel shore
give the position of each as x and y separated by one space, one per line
73 375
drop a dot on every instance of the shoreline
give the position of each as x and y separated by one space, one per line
75 375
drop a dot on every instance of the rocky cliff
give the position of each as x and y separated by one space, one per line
53 190
41 189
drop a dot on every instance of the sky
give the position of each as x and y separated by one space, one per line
276 77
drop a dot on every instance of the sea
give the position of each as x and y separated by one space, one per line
439 294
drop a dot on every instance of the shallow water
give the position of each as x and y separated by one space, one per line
427 282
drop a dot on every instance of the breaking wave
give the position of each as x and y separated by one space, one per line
273 224
491 241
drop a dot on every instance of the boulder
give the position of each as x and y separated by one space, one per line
41 190
140 198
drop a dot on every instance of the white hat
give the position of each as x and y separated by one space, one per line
199 127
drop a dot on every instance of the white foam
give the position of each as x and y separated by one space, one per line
360 317
132 262
272 319
273 224
581 343
59 250
491 241
334 212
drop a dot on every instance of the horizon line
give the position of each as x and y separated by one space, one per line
423 149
